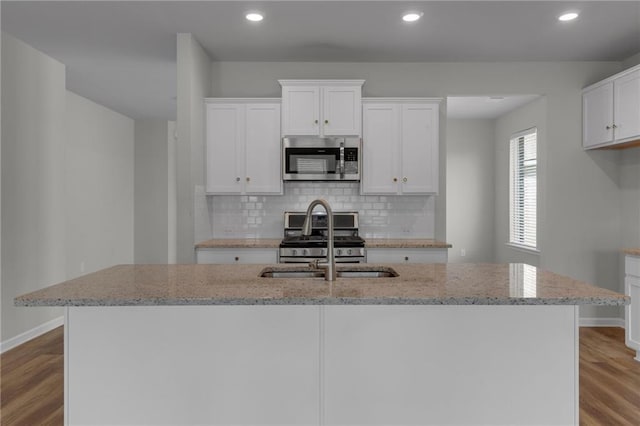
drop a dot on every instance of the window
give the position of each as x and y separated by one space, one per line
523 189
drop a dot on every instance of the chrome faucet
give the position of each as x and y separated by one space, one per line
329 265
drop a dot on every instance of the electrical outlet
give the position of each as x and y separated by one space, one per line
463 252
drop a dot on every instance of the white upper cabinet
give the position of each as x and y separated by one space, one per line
611 111
243 146
400 146
321 107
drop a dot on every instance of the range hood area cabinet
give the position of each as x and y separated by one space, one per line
243 146
321 107
400 146
611 111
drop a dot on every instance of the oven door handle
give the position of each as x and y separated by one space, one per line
342 160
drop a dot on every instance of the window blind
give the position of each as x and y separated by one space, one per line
523 189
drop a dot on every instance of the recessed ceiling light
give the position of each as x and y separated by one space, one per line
568 16
412 16
254 16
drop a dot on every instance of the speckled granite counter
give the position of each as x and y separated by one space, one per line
275 243
240 243
417 284
404 243
632 251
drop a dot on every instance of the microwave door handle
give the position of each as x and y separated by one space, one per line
342 160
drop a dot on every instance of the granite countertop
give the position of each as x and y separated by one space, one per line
240 243
404 243
632 251
275 243
417 284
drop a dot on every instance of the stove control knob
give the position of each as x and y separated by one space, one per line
294 252
349 251
339 252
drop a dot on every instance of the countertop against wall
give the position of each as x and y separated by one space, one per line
416 284
369 243
632 251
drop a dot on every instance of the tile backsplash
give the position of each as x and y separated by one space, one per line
261 216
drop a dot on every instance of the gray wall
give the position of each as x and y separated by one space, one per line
33 223
631 61
525 117
98 187
67 187
194 82
151 191
630 199
470 189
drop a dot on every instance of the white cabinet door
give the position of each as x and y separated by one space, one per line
301 110
321 107
632 311
407 255
225 145
193 365
419 365
420 148
341 110
243 147
262 152
626 110
400 147
237 255
381 136
597 107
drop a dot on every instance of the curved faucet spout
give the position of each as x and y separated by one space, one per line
330 265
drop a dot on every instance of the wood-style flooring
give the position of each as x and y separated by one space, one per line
32 380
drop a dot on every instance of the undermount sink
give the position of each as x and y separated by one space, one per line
342 272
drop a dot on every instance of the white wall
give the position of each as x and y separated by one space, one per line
33 139
470 189
98 186
194 82
381 216
151 191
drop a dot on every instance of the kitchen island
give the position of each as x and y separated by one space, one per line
217 344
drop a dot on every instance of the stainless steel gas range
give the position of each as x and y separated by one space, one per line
296 248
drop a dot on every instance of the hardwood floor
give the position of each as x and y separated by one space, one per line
32 380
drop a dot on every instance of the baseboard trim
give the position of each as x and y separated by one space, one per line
31 334
602 322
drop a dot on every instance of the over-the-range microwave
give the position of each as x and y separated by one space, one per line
315 158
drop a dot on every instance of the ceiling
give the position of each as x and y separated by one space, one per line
123 54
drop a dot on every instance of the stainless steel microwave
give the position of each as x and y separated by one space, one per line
314 158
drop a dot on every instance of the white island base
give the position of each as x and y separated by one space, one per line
321 365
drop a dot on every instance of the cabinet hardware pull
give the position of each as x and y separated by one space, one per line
614 126
395 179
326 121
316 121
608 127
248 179
406 258
237 179
237 258
404 180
